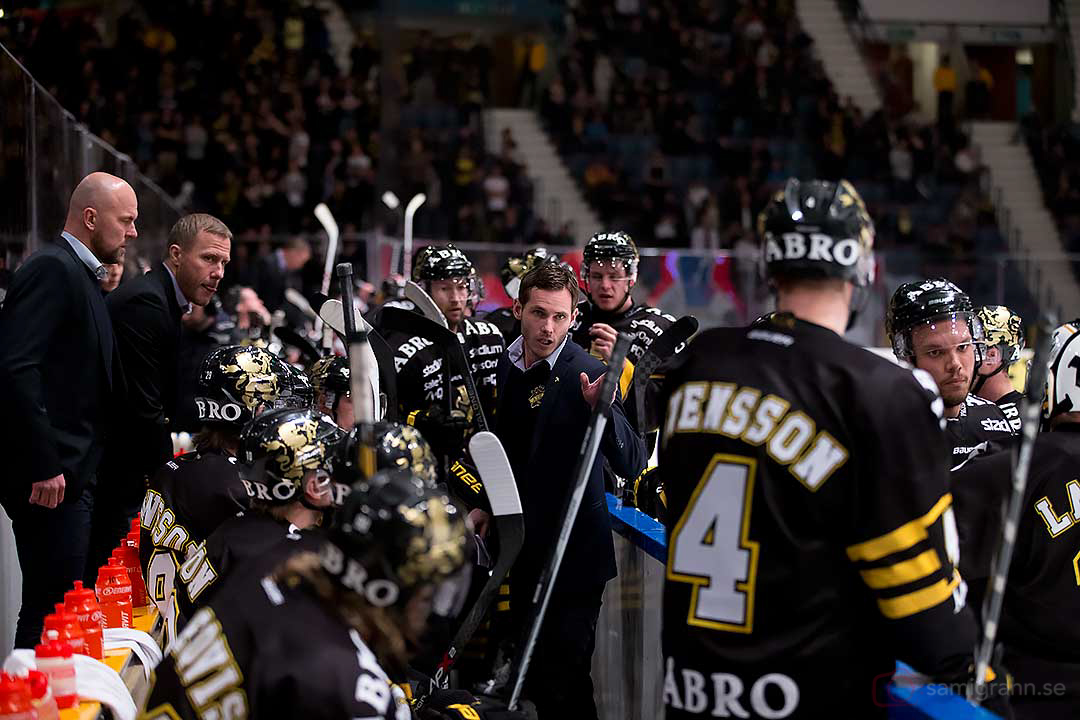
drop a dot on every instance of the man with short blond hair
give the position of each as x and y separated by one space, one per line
146 314
57 372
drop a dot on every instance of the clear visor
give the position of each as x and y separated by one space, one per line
450 594
940 336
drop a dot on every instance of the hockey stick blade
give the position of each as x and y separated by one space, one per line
424 303
587 455
333 314
999 571
490 458
326 219
411 323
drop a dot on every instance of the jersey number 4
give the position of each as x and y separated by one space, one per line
710 548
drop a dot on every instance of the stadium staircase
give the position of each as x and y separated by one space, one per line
1027 225
843 63
340 31
557 197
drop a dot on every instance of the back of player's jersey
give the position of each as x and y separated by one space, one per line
187 498
807 520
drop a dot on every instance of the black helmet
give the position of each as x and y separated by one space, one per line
329 374
238 382
279 447
516 267
818 229
396 446
445 262
393 535
613 247
926 302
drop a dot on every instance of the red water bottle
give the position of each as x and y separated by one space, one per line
67 629
81 602
41 696
16 703
114 594
54 658
129 558
138 583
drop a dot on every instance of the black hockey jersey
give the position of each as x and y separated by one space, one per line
1010 404
979 424
503 318
1038 622
186 500
421 382
808 519
266 650
643 323
253 541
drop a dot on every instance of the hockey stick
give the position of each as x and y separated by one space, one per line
589 447
424 303
326 219
999 571
413 324
333 314
490 458
363 376
660 349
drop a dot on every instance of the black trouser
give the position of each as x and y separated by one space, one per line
52 554
118 500
560 674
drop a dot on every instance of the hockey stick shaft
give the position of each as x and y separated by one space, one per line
326 219
360 372
587 455
1032 408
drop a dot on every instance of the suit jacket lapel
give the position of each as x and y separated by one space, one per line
96 299
169 291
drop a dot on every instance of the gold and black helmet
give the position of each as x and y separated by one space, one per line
1002 327
397 446
394 535
280 447
237 382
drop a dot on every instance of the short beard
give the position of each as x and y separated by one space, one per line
954 399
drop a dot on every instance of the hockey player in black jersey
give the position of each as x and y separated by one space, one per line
190 496
609 271
933 326
808 511
436 405
326 633
287 460
511 273
1038 626
329 378
1004 331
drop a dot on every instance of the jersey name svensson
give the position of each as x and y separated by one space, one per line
790 437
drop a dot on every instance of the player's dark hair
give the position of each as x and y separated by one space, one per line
552 277
185 229
216 437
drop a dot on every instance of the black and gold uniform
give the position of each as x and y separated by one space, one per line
811 539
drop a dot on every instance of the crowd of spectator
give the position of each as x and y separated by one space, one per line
682 119
1056 151
244 110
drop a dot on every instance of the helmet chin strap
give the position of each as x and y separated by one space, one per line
859 297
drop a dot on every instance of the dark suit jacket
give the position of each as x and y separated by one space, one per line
556 441
146 319
56 374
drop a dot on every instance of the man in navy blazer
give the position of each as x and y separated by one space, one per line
58 372
547 387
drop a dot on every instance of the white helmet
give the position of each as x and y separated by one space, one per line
1063 372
